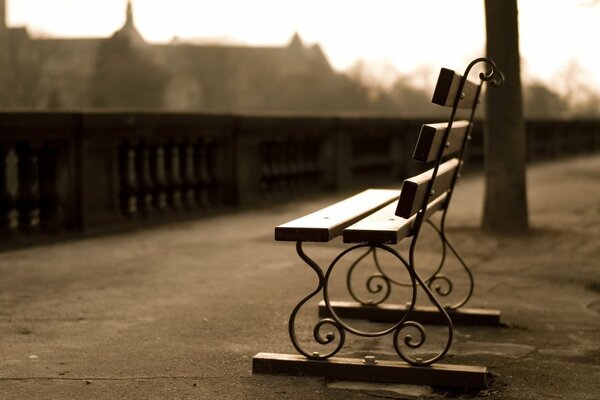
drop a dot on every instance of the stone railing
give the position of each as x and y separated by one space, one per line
87 171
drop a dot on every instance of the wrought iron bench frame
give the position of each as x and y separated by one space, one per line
359 220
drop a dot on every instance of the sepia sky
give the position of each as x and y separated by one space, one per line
405 35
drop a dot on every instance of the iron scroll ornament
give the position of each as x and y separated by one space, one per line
381 283
341 327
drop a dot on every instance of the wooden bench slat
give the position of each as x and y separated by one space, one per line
385 227
430 140
446 90
414 189
329 222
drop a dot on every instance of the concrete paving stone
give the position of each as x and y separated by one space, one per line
388 391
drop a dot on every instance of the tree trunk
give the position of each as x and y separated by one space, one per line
505 202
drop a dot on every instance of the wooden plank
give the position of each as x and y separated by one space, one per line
329 222
430 140
355 369
385 227
428 315
446 90
414 189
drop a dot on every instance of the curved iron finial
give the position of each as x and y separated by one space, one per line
493 76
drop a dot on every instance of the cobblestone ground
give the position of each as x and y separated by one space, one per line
177 312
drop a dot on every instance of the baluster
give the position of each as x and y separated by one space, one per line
202 173
271 166
299 164
311 148
188 174
277 168
127 171
303 163
27 203
51 212
268 165
359 146
291 166
174 176
286 173
158 173
144 179
264 166
8 220
211 164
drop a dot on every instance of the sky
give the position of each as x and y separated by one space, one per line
387 35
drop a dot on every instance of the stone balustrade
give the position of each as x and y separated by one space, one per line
85 172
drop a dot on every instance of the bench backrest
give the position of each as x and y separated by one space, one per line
416 189
431 137
437 142
452 87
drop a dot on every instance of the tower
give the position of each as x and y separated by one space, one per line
2 15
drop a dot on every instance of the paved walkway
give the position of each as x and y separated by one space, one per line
177 312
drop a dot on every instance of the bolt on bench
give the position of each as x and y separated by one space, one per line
373 220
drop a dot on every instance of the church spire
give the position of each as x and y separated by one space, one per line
128 31
129 17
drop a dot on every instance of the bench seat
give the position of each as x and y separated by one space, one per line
383 227
328 223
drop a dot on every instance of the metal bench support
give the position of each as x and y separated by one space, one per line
424 314
370 370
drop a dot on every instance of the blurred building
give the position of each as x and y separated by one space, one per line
125 71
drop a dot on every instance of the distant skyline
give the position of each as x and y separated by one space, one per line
405 35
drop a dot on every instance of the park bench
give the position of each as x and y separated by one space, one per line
373 221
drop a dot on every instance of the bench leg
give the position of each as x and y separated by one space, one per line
371 370
417 366
402 341
424 314
460 314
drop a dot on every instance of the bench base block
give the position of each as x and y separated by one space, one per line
384 371
423 314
